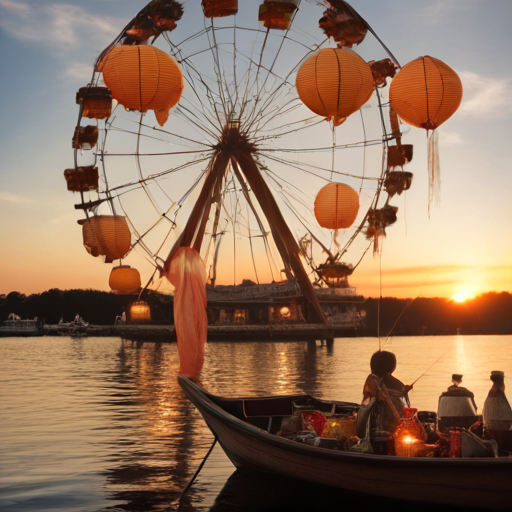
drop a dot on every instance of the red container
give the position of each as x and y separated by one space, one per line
455 443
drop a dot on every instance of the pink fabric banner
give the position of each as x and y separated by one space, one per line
188 275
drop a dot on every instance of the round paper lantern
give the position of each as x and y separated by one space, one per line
106 235
336 206
140 312
334 83
142 78
425 93
124 279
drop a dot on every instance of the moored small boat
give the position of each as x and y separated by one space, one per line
15 326
470 482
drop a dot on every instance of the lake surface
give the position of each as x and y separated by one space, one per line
97 424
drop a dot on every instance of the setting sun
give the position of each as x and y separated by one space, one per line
461 297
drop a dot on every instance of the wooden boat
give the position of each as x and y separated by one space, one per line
246 429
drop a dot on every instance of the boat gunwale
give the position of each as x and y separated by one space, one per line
208 401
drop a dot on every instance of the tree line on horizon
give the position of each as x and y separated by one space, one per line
489 313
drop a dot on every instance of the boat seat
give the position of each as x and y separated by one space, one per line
271 424
279 406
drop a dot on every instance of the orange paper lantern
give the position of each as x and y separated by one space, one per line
335 83
219 8
140 312
425 93
336 206
124 279
143 78
106 235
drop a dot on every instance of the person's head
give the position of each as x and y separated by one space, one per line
382 363
457 379
498 378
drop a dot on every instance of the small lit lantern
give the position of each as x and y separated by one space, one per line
82 179
277 14
140 312
336 206
124 280
219 8
239 317
285 312
85 137
96 102
409 435
106 235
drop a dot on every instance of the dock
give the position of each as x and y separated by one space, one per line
166 333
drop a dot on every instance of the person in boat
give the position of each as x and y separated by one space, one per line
384 396
456 390
497 411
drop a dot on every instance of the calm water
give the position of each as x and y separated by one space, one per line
99 424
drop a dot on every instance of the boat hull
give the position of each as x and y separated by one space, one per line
483 483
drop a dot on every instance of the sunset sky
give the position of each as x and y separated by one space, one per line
464 248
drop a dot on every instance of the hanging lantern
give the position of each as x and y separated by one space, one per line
397 181
124 280
85 137
334 83
277 14
219 8
140 312
343 24
96 102
382 69
425 94
399 155
378 221
336 206
91 242
335 274
143 78
82 179
106 235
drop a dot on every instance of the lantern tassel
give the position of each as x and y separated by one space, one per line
434 168
188 275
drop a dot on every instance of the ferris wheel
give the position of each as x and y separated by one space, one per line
253 133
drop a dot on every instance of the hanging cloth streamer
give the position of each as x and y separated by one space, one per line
434 168
188 275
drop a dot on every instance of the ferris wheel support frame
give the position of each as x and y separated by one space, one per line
234 147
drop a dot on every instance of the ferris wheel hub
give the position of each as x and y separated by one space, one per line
232 139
